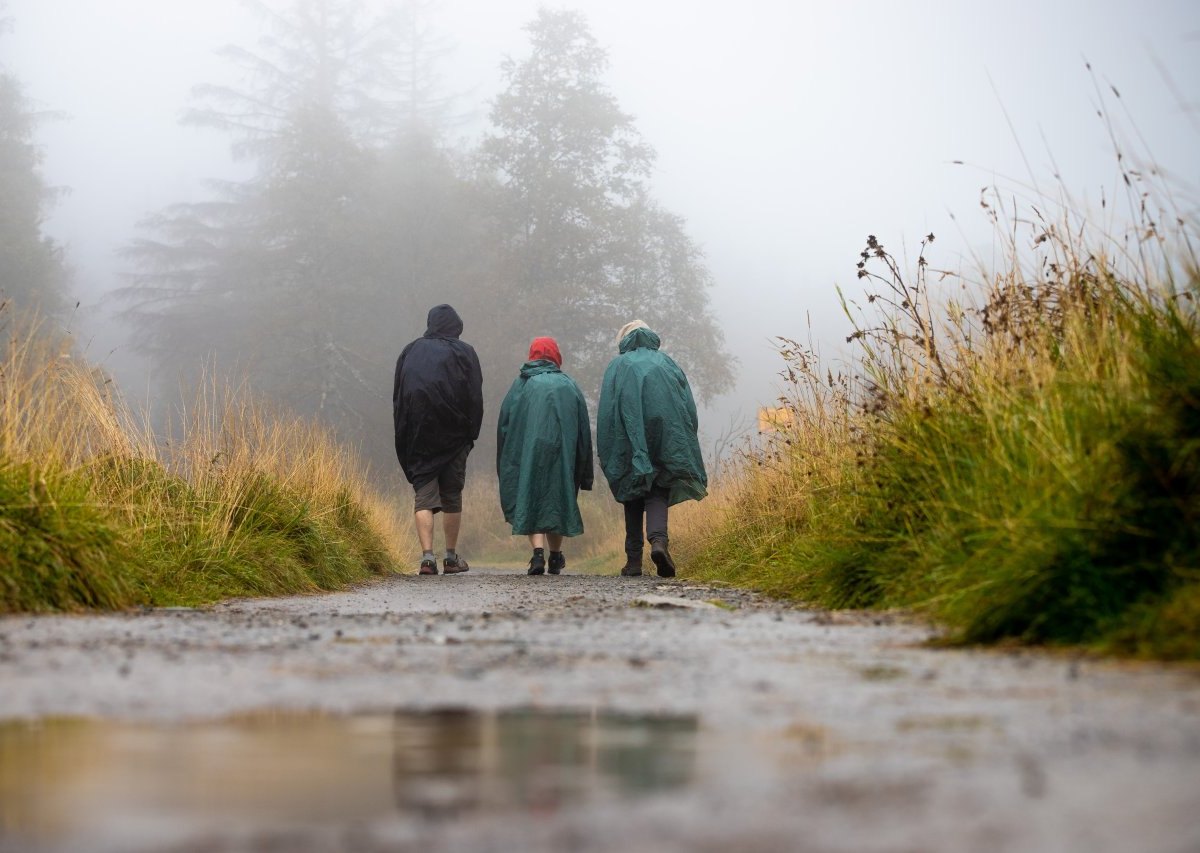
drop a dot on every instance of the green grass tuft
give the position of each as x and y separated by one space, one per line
57 550
1022 468
95 515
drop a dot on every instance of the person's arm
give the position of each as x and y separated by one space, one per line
584 469
604 417
398 404
474 394
691 402
396 381
502 427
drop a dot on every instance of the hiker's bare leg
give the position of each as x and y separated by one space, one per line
423 520
451 522
541 540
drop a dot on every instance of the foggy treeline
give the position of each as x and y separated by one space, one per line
307 278
32 272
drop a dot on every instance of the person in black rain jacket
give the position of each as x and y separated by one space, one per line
437 408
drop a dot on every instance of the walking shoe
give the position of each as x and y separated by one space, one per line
428 566
631 569
537 565
454 565
557 562
662 559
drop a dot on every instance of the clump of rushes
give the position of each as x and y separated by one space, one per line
97 513
1019 460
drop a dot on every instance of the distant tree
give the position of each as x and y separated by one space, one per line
287 276
32 273
428 225
587 248
420 52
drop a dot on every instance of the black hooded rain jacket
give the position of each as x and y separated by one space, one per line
437 398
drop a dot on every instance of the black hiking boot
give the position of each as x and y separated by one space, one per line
454 565
557 562
537 565
632 567
662 559
428 566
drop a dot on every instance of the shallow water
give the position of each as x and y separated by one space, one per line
794 729
64 781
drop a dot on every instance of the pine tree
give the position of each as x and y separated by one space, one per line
275 277
587 247
33 277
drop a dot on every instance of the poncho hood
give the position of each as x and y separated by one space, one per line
537 367
640 338
443 322
545 348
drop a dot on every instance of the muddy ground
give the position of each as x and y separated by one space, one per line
493 711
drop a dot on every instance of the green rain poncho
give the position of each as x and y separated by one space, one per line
646 424
543 451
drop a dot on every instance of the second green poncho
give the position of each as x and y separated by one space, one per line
646 424
543 451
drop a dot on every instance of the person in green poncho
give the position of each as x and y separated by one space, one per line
646 436
544 455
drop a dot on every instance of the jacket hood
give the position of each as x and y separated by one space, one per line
640 338
443 322
629 327
538 366
546 348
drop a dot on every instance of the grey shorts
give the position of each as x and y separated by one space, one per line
444 492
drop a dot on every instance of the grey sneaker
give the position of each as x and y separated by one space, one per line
454 565
428 567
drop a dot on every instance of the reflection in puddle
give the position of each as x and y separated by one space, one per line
451 761
65 779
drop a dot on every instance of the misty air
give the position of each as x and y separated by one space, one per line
601 426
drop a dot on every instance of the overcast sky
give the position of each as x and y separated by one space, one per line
786 131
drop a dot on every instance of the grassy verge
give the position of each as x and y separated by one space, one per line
1019 459
488 540
97 514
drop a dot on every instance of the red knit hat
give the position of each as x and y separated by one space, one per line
545 348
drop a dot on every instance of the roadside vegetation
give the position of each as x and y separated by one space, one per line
1017 457
97 513
487 538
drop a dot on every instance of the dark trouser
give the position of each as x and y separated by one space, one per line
654 507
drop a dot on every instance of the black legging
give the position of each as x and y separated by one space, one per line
654 507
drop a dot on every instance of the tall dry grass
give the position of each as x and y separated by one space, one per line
1017 456
96 511
487 538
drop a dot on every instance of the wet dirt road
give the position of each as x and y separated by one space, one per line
492 711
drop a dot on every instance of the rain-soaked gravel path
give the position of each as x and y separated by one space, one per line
748 726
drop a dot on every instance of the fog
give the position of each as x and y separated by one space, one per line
786 132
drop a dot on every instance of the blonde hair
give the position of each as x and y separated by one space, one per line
629 327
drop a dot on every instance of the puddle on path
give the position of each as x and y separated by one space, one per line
63 780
